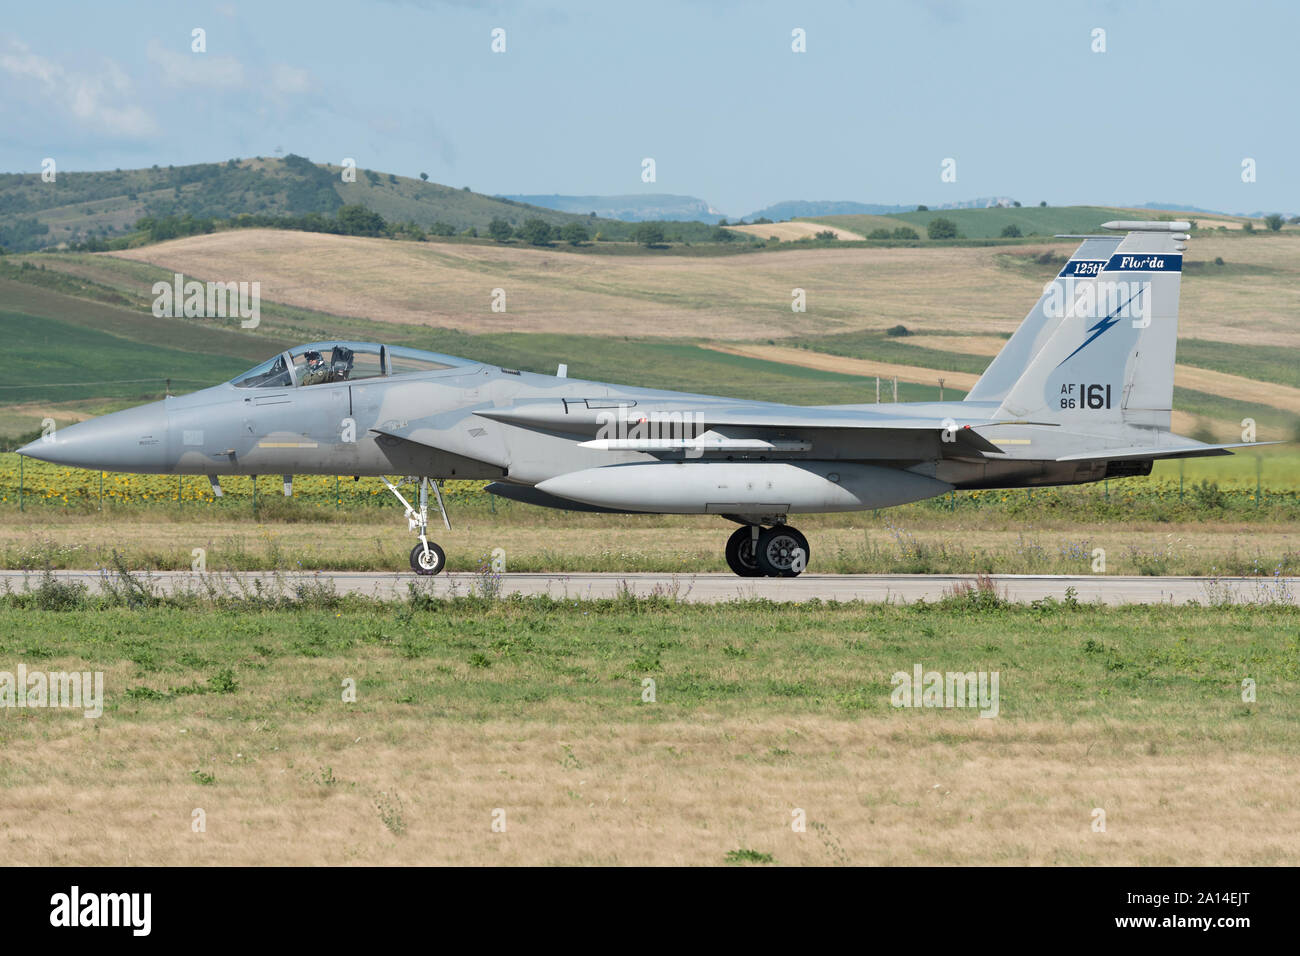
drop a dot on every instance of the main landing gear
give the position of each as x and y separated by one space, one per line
776 552
426 556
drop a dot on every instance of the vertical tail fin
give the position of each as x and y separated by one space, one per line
1039 325
1111 358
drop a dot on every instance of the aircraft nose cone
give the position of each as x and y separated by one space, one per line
132 440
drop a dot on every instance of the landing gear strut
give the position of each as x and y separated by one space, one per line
779 551
426 556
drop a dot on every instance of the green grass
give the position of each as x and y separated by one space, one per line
989 223
1273 424
1264 363
49 359
885 348
43 316
74 302
484 658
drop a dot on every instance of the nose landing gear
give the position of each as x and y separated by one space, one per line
779 551
426 556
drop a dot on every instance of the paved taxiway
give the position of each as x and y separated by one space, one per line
712 588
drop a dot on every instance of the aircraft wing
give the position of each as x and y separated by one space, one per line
736 428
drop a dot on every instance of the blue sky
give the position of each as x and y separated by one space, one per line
712 91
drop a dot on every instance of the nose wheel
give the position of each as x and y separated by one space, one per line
426 556
778 552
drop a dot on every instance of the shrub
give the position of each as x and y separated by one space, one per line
537 232
941 229
574 233
649 234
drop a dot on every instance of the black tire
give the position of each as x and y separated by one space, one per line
778 552
740 553
434 562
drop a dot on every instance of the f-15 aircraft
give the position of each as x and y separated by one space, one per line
1083 391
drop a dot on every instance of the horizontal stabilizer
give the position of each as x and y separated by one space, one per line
1197 450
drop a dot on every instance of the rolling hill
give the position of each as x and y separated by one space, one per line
78 205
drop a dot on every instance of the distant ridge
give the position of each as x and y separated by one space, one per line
1179 207
635 207
803 208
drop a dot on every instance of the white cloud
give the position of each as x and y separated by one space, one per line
290 80
100 99
185 68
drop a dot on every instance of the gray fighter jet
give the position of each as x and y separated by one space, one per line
1083 391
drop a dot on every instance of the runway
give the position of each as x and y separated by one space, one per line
705 588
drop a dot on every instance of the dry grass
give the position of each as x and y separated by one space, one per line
682 792
24 416
538 540
1238 387
850 366
733 297
793 230
989 345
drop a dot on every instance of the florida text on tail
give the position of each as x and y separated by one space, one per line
1081 392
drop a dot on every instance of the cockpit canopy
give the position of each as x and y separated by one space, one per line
331 363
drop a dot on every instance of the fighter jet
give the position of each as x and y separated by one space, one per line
1082 392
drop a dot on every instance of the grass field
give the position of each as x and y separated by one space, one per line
1235 317
980 290
538 713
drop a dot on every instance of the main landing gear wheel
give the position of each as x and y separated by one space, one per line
740 552
427 562
782 552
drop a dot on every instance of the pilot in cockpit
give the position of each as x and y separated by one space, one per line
316 371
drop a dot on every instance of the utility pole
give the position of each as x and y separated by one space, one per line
941 390
895 389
